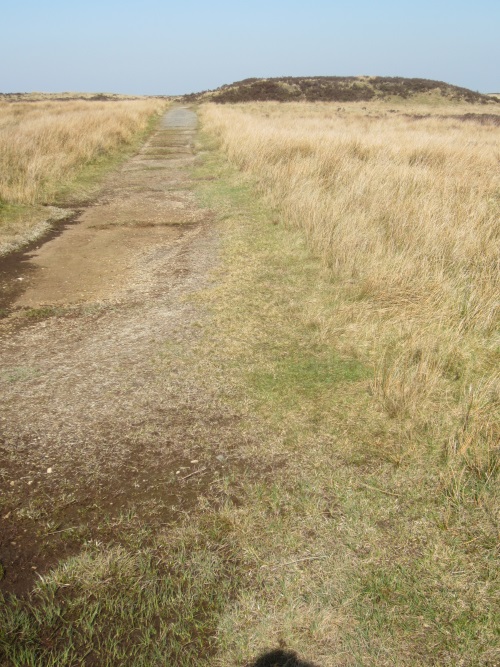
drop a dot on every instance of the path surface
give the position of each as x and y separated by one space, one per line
143 208
97 408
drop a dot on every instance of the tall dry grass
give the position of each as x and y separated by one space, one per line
404 212
44 144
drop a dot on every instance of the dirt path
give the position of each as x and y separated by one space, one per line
145 206
98 411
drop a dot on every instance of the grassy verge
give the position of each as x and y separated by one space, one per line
340 540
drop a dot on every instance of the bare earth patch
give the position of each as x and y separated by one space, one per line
100 414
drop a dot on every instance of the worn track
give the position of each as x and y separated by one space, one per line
98 407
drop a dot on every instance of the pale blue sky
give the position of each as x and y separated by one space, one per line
165 47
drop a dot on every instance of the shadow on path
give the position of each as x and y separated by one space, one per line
280 658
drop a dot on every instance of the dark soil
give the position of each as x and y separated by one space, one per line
15 267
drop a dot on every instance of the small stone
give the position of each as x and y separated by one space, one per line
12 483
30 482
195 461
178 472
49 470
220 457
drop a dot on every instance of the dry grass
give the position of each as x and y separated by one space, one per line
404 211
370 541
43 144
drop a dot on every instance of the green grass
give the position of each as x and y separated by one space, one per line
304 375
11 213
148 605
21 220
43 312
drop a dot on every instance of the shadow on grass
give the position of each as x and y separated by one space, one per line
280 658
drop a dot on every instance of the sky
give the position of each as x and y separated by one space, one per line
154 47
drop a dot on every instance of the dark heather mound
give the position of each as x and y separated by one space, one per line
337 89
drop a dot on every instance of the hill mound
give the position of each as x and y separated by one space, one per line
338 89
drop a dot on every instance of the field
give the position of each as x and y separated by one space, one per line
45 145
293 438
402 208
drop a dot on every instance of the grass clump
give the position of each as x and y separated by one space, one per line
43 312
111 605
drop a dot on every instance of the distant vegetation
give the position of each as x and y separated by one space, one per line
65 97
338 89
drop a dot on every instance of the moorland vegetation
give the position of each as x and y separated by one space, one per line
403 209
340 89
